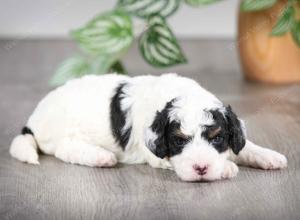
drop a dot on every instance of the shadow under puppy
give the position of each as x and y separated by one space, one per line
167 121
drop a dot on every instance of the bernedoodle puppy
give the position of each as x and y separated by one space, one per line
169 122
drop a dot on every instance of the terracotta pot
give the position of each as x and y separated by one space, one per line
265 58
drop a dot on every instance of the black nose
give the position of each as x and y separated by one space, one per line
201 170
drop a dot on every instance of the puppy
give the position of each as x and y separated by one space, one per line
169 122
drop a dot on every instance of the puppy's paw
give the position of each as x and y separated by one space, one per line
269 160
230 170
106 160
160 163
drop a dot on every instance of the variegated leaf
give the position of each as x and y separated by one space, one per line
110 33
158 44
196 3
71 68
284 23
145 8
256 5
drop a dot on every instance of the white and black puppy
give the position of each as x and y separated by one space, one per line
167 121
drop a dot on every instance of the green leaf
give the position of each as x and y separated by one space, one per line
145 8
118 67
71 68
158 44
296 32
196 3
101 64
105 39
109 34
284 23
78 66
255 5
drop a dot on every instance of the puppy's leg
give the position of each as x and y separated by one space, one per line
255 156
79 152
159 163
155 162
230 170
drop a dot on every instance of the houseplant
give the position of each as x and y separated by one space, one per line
106 38
269 40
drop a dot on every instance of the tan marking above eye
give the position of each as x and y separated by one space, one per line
178 133
214 132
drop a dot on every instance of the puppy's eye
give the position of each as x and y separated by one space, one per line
217 140
179 141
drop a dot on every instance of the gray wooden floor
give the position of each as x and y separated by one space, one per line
55 190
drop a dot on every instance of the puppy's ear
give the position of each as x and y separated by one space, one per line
156 136
237 135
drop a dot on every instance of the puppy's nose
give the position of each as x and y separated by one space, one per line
201 170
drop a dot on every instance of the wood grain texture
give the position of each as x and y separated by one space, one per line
55 190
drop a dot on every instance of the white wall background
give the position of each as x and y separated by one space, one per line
54 18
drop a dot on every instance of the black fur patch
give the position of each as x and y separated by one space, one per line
118 117
231 134
26 130
159 126
168 143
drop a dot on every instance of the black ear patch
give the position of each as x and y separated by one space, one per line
159 146
118 117
237 139
226 132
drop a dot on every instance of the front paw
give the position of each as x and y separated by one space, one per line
160 163
269 160
106 160
230 170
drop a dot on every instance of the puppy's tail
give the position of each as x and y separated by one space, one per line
24 147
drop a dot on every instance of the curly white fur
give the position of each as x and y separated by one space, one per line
73 123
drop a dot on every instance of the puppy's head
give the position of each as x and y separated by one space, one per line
196 141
